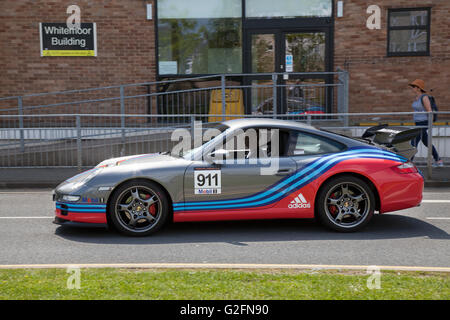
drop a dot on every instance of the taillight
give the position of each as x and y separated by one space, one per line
407 167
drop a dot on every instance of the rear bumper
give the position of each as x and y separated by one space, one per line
401 191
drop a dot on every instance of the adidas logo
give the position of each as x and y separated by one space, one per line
299 202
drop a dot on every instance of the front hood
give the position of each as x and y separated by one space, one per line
150 160
136 159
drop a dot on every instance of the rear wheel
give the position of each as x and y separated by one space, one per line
345 204
139 208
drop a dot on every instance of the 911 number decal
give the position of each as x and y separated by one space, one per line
207 181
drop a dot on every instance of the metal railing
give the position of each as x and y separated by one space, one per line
196 95
187 95
79 128
77 140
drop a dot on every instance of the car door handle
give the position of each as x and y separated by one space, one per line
284 172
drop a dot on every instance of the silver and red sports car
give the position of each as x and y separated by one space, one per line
295 171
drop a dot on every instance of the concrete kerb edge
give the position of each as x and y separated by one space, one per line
219 266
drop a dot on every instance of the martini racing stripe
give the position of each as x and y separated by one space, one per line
94 208
291 183
298 173
267 201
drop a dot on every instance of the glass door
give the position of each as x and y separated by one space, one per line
288 52
304 52
263 52
262 61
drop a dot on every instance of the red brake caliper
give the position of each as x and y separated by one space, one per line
152 208
332 209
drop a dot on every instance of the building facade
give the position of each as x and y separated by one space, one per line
383 45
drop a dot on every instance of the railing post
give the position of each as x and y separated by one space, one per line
430 145
340 92
149 100
343 94
122 119
21 126
79 150
274 93
192 126
224 96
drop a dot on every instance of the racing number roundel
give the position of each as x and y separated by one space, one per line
207 181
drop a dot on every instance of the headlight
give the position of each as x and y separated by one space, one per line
70 198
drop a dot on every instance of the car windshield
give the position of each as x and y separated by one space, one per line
218 132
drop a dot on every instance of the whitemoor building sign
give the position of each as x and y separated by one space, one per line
57 40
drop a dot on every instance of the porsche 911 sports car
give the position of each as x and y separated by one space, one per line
338 180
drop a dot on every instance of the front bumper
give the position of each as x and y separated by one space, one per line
81 212
64 222
90 207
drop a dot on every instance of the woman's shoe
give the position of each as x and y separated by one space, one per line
439 163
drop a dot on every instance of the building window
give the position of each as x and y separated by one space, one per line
199 37
409 32
288 8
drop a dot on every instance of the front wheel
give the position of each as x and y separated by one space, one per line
138 208
345 204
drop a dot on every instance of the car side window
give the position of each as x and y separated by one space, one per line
302 143
258 147
280 145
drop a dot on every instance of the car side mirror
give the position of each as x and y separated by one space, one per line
216 156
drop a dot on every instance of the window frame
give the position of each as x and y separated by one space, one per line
247 24
191 75
390 28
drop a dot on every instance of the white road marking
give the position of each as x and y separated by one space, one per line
46 217
25 192
438 218
435 201
224 266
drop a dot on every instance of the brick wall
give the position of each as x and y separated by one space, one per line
126 52
125 42
379 83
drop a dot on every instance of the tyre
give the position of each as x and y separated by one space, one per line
138 208
345 204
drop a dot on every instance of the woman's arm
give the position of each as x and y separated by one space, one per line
426 103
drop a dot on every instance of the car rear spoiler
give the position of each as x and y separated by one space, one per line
397 139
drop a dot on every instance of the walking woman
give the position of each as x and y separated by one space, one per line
422 104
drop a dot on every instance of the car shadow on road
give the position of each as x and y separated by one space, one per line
387 226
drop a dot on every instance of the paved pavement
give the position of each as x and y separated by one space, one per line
413 237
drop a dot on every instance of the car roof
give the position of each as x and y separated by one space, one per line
246 122
291 125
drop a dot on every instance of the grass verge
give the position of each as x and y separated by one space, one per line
43 284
